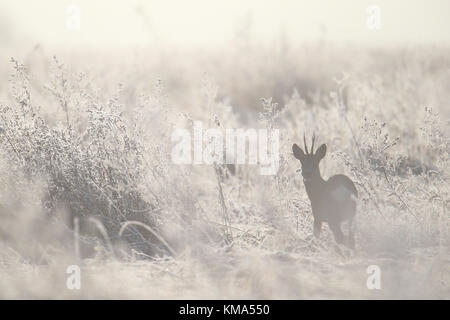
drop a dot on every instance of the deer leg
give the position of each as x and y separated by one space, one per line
337 232
317 227
351 236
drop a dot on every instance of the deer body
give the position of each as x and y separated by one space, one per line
332 200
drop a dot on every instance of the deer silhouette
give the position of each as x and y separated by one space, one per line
333 200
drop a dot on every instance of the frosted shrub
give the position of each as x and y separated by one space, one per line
90 172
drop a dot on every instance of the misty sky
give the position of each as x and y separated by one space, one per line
212 22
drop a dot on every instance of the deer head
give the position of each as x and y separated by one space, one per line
309 160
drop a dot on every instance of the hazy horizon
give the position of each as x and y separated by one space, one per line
201 23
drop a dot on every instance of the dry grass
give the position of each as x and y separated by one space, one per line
90 139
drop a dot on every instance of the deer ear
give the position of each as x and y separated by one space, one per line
320 153
298 152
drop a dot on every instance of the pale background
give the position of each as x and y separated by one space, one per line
212 22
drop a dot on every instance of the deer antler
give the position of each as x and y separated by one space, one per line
304 142
313 139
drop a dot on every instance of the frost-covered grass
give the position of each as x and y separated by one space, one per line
86 147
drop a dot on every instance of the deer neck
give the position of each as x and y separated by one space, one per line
315 187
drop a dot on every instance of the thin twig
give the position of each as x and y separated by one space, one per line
399 197
225 216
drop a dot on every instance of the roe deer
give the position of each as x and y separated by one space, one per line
331 201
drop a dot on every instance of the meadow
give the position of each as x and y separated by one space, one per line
87 178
